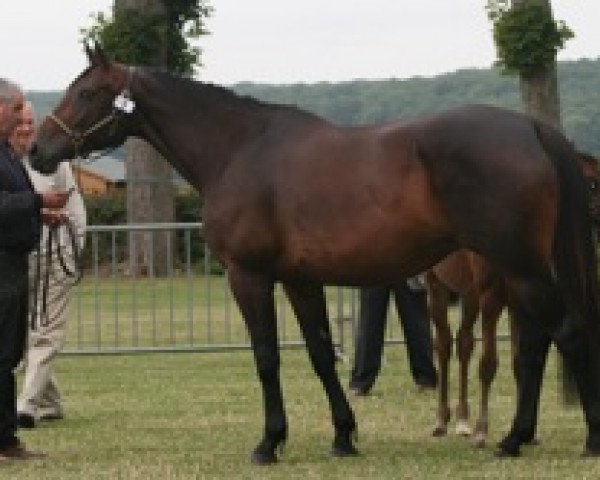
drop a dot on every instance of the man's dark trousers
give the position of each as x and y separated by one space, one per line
412 310
13 331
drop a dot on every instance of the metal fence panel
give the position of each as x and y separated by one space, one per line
115 309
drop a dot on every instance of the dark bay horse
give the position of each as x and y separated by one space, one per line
291 198
483 292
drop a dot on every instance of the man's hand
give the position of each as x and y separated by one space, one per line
54 199
53 217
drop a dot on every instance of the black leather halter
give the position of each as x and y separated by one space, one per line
120 106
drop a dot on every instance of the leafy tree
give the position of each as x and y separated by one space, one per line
526 35
138 35
527 39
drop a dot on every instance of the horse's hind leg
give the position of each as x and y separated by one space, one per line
465 343
536 308
254 295
438 311
308 302
514 346
578 341
514 356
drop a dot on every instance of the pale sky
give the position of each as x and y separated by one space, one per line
285 41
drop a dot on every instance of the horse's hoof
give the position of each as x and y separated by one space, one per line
463 429
533 442
592 446
508 448
592 450
440 431
263 458
501 453
344 450
479 440
587 453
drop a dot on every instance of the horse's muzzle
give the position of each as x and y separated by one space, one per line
38 162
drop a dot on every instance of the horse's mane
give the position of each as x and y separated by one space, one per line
212 93
81 75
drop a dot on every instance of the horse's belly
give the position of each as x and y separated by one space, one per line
373 263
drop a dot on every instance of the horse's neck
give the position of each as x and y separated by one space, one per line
198 138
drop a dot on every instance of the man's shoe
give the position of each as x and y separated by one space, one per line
18 452
25 420
49 417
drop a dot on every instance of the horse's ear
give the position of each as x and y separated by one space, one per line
96 55
101 57
89 52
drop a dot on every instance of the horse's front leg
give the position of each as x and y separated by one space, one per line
308 302
254 295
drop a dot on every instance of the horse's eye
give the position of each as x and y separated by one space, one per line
593 185
87 94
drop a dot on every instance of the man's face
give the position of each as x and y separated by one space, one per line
23 134
11 112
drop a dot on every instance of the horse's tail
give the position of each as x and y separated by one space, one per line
574 254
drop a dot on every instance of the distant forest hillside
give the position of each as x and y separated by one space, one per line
368 101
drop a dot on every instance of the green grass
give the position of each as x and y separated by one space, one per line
198 415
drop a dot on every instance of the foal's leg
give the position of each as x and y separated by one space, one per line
254 295
491 307
308 302
438 311
465 342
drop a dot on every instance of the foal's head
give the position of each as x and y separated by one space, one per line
91 115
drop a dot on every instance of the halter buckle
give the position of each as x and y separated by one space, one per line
123 103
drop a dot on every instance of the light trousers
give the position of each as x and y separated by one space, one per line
39 395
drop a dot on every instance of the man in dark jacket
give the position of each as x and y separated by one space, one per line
21 214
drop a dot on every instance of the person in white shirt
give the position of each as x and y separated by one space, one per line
39 398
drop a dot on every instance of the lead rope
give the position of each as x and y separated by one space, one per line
42 284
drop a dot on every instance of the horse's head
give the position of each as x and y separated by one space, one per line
591 172
91 115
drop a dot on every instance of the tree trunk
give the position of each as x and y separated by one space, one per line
539 92
150 192
150 199
540 96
